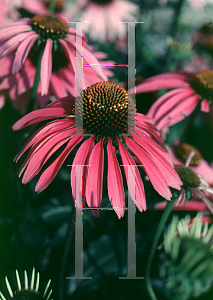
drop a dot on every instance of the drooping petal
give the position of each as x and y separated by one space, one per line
200 194
158 84
90 59
12 43
179 112
44 151
135 184
43 132
167 101
46 67
22 52
95 176
191 205
7 33
157 147
40 115
161 161
151 169
81 159
115 182
205 106
49 174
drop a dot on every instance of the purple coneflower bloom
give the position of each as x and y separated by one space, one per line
105 107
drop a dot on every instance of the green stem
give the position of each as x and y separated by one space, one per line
163 220
52 6
190 122
68 240
36 82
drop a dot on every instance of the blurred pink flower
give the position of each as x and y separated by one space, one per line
197 64
38 7
27 37
105 107
9 11
103 17
180 102
62 81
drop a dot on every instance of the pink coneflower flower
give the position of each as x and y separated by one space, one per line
50 34
193 183
105 106
181 152
104 16
175 105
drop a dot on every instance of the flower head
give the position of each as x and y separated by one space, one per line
27 292
48 35
187 262
106 26
196 175
187 90
193 183
105 108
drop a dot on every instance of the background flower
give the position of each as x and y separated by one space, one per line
108 13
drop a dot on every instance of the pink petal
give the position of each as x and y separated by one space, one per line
50 173
115 182
167 101
90 59
205 106
46 67
23 51
57 86
70 53
160 159
158 147
12 43
95 176
190 205
136 188
2 101
44 151
9 31
40 115
82 159
151 169
43 132
158 84
146 130
179 112
200 194
205 170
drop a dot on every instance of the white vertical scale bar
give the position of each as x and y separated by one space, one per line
131 69
131 230
79 229
79 78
